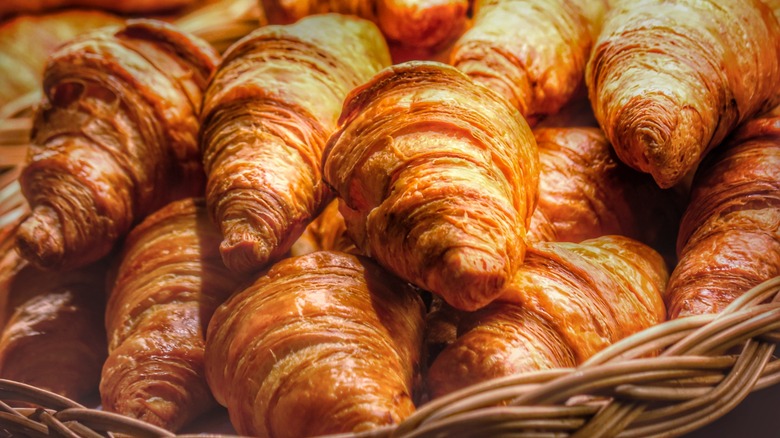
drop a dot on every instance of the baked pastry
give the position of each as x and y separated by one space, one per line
532 52
52 333
323 343
567 302
267 114
114 139
123 6
422 24
729 238
169 280
437 178
669 80
27 41
327 232
586 192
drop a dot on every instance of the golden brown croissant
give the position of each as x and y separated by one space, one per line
729 238
669 80
327 232
423 24
323 343
169 280
586 192
123 6
267 114
27 41
52 331
438 179
567 302
532 52
113 140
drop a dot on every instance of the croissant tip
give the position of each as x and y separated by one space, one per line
243 255
472 277
39 238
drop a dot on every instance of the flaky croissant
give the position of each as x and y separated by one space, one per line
567 302
438 179
669 80
532 52
113 140
323 343
729 238
51 336
267 114
586 192
27 41
422 24
169 280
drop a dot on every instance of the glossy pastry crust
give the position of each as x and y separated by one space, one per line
51 336
424 24
326 336
327 232
586 192
729 238
532 52
438 179
567 302
114 139
169 280
669 80
267 114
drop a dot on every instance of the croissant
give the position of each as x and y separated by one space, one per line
323 343
567 302
327 232
437 178
113 140
669 80
424 24
267 114
586 192
52 333
169 280
532 52
123 6
729 238
27 41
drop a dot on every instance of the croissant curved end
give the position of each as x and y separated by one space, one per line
40 238
469 270
656 135
242 253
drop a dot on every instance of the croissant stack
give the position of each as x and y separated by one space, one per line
669 80
113 140
51 333
169 280
437 178
422 24
323 343
567 302
532 52
586 192
267 114
729 238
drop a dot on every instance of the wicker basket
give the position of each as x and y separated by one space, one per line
706 366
